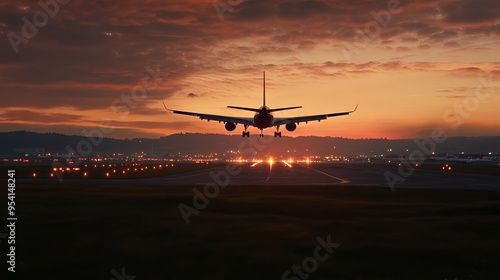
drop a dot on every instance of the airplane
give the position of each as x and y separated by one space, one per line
263 117
462 159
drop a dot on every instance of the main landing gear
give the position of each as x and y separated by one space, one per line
245 133
277 133
261 133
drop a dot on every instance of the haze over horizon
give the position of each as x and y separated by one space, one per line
412 66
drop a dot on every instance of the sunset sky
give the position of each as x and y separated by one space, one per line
412 66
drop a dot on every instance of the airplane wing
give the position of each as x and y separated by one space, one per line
281 121
208 117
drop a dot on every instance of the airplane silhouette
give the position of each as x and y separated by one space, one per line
263 117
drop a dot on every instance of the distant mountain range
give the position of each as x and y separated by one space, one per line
195 143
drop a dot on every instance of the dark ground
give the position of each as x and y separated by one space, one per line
75 231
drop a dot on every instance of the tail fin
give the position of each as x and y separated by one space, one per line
264 88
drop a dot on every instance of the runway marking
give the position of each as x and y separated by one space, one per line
342 181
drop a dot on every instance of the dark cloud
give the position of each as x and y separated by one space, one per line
30 116
471 11
302 9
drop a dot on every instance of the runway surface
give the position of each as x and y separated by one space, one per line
340 174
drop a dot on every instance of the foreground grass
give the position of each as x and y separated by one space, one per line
83 232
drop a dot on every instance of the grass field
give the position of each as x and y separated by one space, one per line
84 232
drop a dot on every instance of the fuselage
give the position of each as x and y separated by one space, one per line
263 119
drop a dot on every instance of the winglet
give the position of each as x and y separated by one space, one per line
165 106
354 109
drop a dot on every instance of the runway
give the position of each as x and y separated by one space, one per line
265 220
335 174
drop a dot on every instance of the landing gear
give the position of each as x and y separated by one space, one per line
277 133
261 133
245 133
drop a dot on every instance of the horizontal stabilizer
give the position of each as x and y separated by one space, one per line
244 108
283 109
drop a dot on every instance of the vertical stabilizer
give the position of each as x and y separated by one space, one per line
264 88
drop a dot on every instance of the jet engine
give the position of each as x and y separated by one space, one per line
291 126
230 126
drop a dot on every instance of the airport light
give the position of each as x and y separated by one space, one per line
85 174
107 174
255 163
34 174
